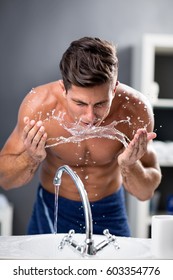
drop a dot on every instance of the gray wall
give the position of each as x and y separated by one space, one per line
33 36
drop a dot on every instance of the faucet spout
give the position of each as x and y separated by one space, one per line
88 247
85 201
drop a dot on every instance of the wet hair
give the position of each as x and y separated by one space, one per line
89 62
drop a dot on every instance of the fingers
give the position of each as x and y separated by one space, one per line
150 135
34 137
29 128
137 147
143 136
38 139
140 138
33 131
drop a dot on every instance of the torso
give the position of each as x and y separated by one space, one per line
96 167
94 160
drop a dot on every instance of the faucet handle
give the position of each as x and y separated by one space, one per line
66 239
107 233
70 233
111 238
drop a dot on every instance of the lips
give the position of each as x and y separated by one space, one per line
86 124
90 124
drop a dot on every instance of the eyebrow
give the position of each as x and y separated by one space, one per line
79 101
84 103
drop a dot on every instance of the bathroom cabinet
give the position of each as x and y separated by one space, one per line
152 75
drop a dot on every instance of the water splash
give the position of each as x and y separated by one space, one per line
80 133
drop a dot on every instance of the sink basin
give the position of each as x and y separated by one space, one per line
46 247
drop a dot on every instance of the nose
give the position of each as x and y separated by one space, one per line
90 115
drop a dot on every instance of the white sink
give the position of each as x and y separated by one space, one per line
46 247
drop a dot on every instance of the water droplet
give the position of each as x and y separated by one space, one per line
53 111
32 90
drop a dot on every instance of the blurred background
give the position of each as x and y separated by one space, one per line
33 36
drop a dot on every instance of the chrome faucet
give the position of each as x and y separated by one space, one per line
88 247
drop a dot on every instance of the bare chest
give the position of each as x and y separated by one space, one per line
91 152
81 150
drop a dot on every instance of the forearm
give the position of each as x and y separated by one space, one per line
22 154
140 181
16 170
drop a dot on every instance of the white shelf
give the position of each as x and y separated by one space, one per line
143 79
166 164
143 71
165 103
164 151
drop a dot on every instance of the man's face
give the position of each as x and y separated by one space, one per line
89 106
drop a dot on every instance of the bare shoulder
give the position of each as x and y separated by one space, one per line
133 98
36 105
129 93
40 101
136 106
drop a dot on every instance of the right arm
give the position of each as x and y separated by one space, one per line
23 152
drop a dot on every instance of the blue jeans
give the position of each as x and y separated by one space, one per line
108 213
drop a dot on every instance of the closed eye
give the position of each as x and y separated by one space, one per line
81 104
100 104
96 105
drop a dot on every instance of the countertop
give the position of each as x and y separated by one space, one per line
46 247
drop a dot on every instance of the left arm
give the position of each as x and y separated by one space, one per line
139 166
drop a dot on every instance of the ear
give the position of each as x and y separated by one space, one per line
61 83
115 88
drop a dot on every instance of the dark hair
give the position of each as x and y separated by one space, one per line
89 62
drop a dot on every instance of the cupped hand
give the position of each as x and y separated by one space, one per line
136 148
34 139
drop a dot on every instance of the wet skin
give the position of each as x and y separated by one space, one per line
101 163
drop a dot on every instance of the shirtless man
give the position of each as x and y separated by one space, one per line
90 95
